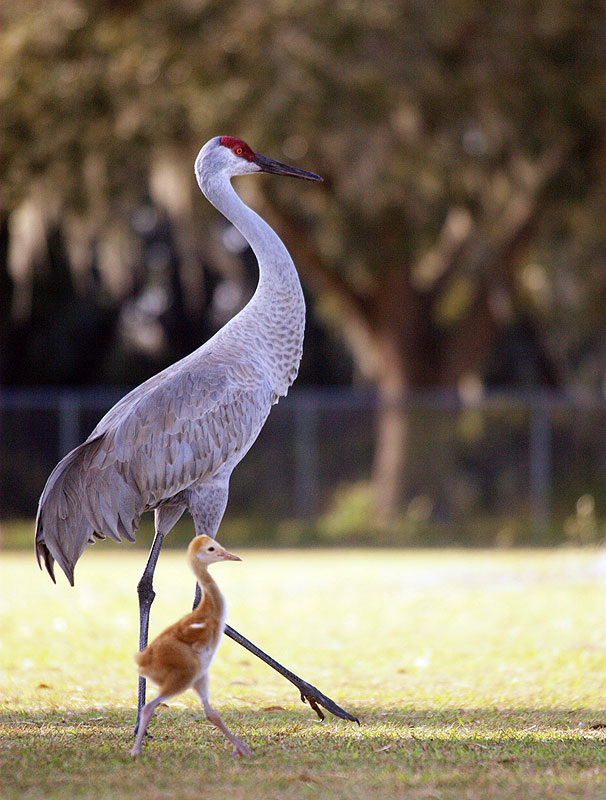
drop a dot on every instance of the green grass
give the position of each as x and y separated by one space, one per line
475 675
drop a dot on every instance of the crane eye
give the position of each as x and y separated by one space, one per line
210 549
239 151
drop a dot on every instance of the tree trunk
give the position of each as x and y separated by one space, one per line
394 329
388 470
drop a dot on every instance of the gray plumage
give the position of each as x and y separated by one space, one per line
173 442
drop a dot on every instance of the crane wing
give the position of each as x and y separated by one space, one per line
188 427
158 440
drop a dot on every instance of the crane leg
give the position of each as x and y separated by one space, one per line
145 590
309 693
197 597
146 715
201 688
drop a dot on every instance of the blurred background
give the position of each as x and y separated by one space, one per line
452 389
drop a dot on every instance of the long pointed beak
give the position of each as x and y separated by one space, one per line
277 168
227 556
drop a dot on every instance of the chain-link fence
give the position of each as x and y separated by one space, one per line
514 464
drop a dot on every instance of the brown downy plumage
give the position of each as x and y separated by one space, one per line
179 658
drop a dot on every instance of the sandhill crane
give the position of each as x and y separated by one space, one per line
172 443
179 658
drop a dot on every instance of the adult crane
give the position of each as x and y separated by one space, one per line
171 444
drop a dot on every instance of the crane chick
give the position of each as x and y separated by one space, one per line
180 657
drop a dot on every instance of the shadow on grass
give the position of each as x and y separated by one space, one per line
388 725
66 754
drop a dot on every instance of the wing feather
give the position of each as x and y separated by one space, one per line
160 439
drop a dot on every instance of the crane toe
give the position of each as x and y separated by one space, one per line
240 749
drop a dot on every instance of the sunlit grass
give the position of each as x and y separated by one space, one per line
474 674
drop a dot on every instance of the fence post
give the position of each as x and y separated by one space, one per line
306 456
69 422
540 464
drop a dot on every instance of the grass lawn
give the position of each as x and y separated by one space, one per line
474 674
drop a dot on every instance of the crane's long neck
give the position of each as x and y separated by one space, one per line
212 603
275 316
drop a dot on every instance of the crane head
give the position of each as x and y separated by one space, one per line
232 156
205 550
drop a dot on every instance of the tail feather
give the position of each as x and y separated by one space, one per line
43 553
82 502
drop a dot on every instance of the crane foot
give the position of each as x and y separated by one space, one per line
315 698
309 693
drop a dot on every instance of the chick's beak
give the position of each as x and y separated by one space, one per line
277 168
227 556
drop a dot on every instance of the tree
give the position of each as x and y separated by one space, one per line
462 146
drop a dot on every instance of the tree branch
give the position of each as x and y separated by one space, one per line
489 254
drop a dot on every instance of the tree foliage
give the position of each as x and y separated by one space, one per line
459 237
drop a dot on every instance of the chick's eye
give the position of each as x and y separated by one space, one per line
210 549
